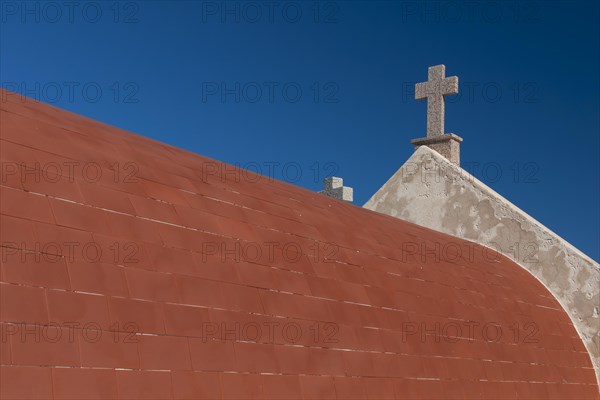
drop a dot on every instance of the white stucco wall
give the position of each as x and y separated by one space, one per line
431 192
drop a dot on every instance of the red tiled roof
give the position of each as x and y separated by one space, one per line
121 279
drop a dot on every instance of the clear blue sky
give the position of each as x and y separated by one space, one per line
307 84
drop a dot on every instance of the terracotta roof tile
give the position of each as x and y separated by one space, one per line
23 304
164 352
18 382
51 346
109 348
317 387
212 355
141 316
68 307
147 385
280 386
191 385
77 383
241 386
33 269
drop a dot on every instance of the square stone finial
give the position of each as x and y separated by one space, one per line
333 183
448 145
334 187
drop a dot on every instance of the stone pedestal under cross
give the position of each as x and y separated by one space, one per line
434 90
334 187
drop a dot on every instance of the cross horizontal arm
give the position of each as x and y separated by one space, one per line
449 85
421 91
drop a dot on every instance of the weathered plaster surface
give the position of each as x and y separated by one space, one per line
430 191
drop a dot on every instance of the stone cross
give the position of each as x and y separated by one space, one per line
434 90
334 187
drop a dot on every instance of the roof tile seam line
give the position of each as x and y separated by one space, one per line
333 300
40 150
451 318
276 316
332 375
239 205
302 294
299 319
268 290
217 308
235 204
447 285
333 349
482 293
291 373
122 213
165 222
60 127
287 373
22 190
